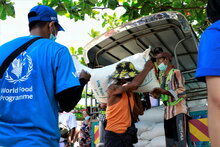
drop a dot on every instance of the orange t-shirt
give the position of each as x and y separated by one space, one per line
118 115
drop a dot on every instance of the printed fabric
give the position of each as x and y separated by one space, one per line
85 135
174 83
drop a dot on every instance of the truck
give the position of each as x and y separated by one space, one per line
170 31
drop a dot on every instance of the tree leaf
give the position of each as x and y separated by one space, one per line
80 51
72 51
3 13
93 1
10 10
105 2
45 2
61 9
112 4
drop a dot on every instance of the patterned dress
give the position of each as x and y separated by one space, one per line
85 135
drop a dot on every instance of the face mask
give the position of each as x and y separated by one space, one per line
52 37
162 67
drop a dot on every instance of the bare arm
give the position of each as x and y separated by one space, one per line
179 90
134 84
71 135
213 85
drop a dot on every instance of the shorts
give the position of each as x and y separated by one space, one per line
117 140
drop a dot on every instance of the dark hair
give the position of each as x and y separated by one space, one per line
213 10
37 24
155 52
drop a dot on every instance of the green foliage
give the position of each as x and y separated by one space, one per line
111 21
6 9
112 4
194 10
79 116
78 54
94 33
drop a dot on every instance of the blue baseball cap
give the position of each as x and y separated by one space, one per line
44 13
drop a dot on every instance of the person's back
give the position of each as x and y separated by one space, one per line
208 68
27 91
34 83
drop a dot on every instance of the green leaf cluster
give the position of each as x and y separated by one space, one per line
94 33
79 116
194 10
78 53
6 9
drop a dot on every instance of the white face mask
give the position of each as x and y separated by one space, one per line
162 66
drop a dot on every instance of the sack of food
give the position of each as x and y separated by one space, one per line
101 77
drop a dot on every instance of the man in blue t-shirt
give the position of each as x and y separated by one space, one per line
209 69
36 84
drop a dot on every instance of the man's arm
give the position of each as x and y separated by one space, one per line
134 84
70 97
139 79
213 86
179 91
71 135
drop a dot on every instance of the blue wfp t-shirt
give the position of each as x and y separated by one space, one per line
209 52
28 108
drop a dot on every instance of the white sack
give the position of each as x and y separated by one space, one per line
157 142
158 130
155 114
197 103
141 143
79 66
100 77
144 126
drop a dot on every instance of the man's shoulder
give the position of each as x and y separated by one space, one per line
211 30
15 41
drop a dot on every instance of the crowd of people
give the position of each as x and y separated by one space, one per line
46 72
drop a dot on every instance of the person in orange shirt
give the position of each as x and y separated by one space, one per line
120 101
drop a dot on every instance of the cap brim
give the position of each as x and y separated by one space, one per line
60 28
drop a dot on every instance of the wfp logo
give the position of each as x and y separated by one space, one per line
20 70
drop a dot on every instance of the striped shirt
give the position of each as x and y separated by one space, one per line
174 83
